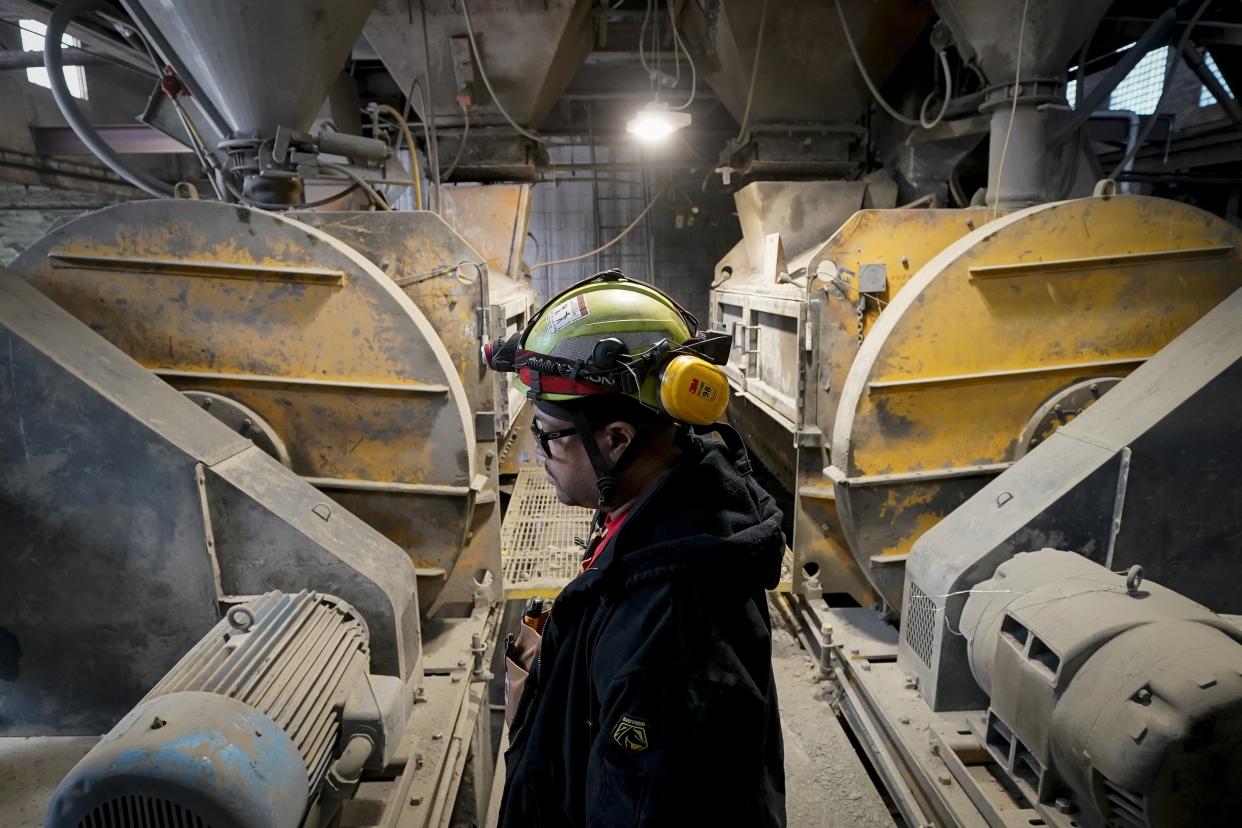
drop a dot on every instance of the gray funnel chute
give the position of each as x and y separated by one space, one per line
1054 30
994 33
262 63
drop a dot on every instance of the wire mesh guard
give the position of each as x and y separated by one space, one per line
537 538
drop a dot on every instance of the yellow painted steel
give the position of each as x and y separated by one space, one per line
900 241
989 329
300 328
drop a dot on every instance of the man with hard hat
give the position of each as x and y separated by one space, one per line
649 699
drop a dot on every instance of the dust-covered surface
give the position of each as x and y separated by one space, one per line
31 768
825 782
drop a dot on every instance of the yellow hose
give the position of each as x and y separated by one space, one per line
415 174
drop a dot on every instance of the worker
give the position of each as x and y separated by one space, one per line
650 699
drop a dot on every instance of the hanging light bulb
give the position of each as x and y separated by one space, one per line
655 122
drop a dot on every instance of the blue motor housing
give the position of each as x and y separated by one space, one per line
192 759
245 729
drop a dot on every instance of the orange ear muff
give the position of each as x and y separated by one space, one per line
693 391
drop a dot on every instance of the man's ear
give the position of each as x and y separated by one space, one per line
615 438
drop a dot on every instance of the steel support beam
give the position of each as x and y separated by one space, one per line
131 139
17 59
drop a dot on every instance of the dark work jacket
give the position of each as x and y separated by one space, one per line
652 700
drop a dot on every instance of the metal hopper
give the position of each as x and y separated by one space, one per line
265 64
1044 35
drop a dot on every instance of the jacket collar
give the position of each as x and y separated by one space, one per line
738 538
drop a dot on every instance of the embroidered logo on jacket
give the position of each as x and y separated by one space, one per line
631 734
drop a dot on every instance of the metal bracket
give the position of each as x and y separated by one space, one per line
1119 505
209 538
746 329
484 322
873 278
485 426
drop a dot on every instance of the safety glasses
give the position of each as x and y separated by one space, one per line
545 438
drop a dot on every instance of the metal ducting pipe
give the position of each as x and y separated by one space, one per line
62 16
1022 48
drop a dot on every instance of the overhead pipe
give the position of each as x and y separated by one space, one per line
62 16
1021 48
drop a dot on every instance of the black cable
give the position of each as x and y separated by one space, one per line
62 16
374 197
311 205
260 205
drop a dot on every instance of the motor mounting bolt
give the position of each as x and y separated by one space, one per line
1064 805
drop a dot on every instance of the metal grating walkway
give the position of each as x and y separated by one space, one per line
537 548
537 538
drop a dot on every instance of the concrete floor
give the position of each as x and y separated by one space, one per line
825 783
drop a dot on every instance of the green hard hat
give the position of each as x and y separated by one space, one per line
610 305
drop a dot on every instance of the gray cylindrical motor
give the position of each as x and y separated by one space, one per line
239 733
1124 697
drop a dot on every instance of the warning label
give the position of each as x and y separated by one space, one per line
567 312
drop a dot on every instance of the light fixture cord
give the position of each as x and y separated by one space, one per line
694 75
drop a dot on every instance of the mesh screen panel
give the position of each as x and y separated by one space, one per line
537 537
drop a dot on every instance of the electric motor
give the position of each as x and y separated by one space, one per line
244 729
1117 699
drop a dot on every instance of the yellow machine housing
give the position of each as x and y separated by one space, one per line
926 349
345 344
